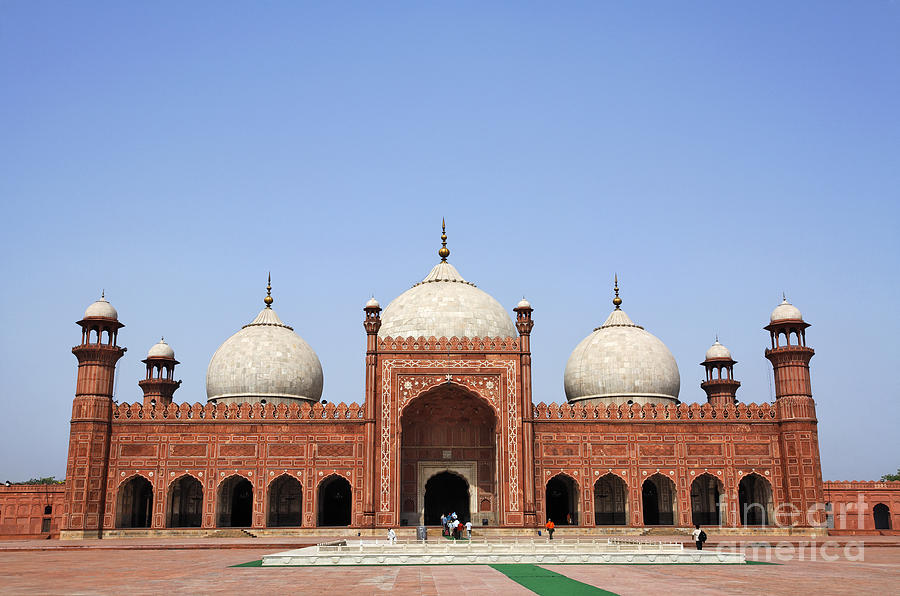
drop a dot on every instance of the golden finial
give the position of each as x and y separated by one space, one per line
268 299
617 301
444 252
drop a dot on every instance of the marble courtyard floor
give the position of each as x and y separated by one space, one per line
206 567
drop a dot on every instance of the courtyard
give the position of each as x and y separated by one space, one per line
209 566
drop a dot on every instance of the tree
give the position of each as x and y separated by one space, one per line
47 480
887 477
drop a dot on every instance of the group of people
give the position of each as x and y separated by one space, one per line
454 528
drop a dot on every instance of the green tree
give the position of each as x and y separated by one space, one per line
891 476
47 480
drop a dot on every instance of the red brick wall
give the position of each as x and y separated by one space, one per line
23 510
853 503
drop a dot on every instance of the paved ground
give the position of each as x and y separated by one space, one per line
181 567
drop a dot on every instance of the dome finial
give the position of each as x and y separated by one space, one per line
616 301
444 252
103 294
268 299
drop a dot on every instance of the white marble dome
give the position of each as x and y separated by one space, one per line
264 361
101 308
785 312
445 305
161 350
718 352
620 361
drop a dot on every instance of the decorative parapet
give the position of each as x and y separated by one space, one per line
861 485
589 412
448 344
198 412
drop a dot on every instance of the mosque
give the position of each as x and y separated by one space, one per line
266 454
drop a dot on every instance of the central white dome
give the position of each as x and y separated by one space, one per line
265 360
619 362
445 305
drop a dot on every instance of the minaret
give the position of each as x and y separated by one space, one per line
799 444
88 462
372 324
788 353
524 325
160 383
720 386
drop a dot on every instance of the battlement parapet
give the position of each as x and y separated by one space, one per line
448 344
591 412
211 412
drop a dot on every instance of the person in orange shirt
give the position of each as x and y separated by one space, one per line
550 527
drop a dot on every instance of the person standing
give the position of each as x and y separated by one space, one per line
550 527
392 536
443 524
469 529
699 536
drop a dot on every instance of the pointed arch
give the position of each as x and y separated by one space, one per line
610 501
234 502
334 498
658 500
562 500
134 503
285 502
755 500
184 502
707 500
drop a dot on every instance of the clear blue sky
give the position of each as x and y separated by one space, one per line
713 154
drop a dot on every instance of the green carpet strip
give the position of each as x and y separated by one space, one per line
545 582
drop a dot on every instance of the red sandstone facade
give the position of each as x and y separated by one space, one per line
163 465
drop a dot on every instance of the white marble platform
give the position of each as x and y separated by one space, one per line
589 552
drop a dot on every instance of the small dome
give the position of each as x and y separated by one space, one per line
785 312
523 303
718 352
372 303
621 362
445 305
161 350
265 360
102 309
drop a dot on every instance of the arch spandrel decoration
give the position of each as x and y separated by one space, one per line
475 375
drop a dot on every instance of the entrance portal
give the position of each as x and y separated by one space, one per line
448 429
610 501
285 502
706 492
235 503
334 502
446 493
185 503
755 500
561 500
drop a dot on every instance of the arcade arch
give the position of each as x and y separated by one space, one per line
755 500
658 500
235 503
185 503
134 505
706 500
610 501
334 501
562 500
446 492
285 502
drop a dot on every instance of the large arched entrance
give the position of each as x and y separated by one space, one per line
706 494
882 515
755 500
562 500
285 502
335 502
610 501
446 493
658 500
135 504
235 503
447 429
185 508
